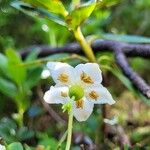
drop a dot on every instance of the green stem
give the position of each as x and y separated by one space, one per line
20 118
61 141
69 137
85 46
45 60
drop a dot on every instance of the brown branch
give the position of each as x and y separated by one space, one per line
139 82
122 137
48 108
120 49
142 50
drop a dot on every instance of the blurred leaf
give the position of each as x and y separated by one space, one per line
80 14
17 73
32 11
7 88
10 133
22 99
3 65
28 147
126 38
32 55
15 146
24 133
49 143
54 6
33 77
8 130
58 56
106 3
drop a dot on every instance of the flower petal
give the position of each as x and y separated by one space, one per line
56 95
2 147
62 73
99 95
83 113
89 73
45 74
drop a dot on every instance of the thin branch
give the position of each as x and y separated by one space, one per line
139 82
142 50
123 138
48 108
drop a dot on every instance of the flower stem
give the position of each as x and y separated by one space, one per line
85 46
69 137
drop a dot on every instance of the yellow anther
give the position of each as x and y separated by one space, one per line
79 103
85 78
93 95
63 94
63 77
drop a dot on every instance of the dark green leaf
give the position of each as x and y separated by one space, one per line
126 38
7 88
8 130
3 65
24 133
32 55
33 77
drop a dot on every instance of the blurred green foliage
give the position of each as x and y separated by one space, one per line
112 19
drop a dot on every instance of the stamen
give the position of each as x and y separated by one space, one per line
63 94
79 104
85 78
93 95
63 77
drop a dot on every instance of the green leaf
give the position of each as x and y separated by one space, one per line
22 100
8 130
32 55
24 133
33 77
15 146
3 65
18 73
80 14
34 11
52 6
7 88
126 38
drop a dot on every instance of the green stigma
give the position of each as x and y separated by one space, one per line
76 91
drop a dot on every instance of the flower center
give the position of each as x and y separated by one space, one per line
76 91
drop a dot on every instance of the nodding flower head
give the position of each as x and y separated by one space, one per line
83 83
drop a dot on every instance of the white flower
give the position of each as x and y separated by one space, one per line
2 147
45 74
83 82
